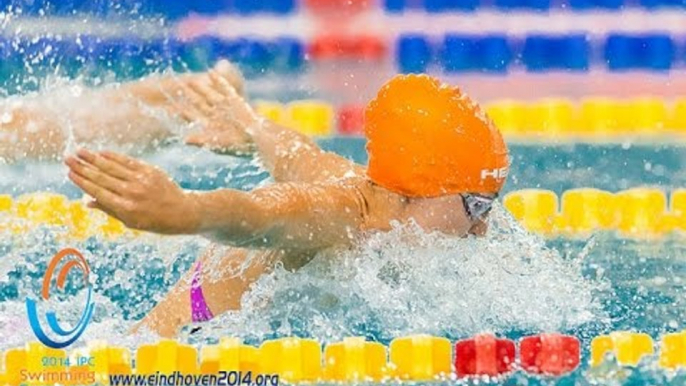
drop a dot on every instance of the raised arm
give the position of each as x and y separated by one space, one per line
230 124
285 216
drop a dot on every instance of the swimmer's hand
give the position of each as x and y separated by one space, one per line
140 195
224 117
222 139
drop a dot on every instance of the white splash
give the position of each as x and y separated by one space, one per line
406 281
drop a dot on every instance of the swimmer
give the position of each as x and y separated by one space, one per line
434 158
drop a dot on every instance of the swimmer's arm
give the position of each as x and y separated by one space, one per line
40 127
28 132
287 154
294 157
284 216
137 115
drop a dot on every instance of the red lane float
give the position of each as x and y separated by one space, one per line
484 355
549 354
351 120
328 47
345 7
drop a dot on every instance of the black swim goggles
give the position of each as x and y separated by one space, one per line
476 205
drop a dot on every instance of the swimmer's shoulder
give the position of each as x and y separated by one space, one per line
377 206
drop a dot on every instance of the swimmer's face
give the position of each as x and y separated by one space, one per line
444 214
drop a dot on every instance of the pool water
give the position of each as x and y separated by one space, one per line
510 283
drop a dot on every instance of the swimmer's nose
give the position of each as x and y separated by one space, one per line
479 228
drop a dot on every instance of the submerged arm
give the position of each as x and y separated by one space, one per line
42 128
132 115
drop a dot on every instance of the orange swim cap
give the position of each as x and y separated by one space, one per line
427 139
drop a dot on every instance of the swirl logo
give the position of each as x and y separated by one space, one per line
67 336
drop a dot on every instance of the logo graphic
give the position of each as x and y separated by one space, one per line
495 173
69 335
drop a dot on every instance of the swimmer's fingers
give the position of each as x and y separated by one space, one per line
187 112
185 102
208 93
228 140
222 85
196 102
94 175
211 135
108 166
228 109
94 204
104 197
231 74
240 108
129 163
172 88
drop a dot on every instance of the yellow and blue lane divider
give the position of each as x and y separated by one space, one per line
630 348
416 358
593 118
312 117
641 213
297 360
21 214
590 118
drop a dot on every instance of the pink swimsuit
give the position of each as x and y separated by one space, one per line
200 312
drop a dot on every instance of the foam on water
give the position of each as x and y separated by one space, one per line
406 281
